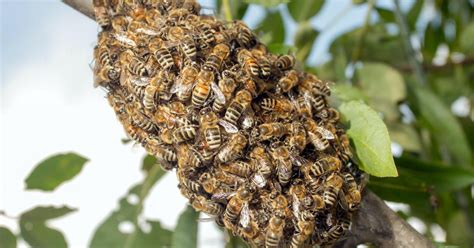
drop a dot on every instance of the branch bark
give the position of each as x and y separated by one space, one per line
374 223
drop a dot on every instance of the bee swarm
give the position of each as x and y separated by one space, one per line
253 141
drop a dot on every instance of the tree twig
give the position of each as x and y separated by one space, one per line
226 10
374 223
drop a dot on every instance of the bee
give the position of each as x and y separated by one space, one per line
227 86
189 184
192 6
209 183
106 75
239 104
164 81
101 15
166 136
353 196
228 179
186 43
332 186
252 234
207 35
268 131
149 97
317 135
345 154
281 155
263 62
120 23
163 154
185 132
135 133
201 204
337 231
314 85
142 121
287 82
124 39
235 205
232 148
245 36
298 193
133 64
303 106
185 81
210 129
304 228
238 168
263 164
285 62
297 140
177 16
214 61
274 231
161 53
330 114
202 90
248 62
280 107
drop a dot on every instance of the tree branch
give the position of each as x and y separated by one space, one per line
374 223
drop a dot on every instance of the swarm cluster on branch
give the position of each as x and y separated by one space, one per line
253 141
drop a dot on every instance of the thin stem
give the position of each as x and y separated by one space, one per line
410 52
227 10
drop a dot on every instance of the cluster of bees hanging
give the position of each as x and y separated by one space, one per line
253 141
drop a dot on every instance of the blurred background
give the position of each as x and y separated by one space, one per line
412 63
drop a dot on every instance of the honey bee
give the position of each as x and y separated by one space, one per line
185 132
135 133
189 184
263 62
176 16
252 234
287 82
245 36
235 205
209 183
228 179
124 39
186 42
303 105
330 114
133 64
185 81
101 15
106 75
202 90
164 81
210 129
149 97
297 140
201 204
142 121
227 86
207 35
120 23
238 168
304 229
142 28
214 61
248 62
161 53
337 231
285 62
268 131
281 155
233 113
232 148
163 154
192 6
353 196
345 153
332 186
318 135
152 17
274 231
263 164
280 107
166 136
314 85
298 193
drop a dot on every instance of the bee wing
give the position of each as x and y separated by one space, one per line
140 81
298 160
123 38
296 206
218 93
124 76
317 142
259 180
245 215
325 133
229 127
148 31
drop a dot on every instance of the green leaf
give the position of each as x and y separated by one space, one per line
447 129
7 238
55 170
302 10
466 39
108 233
267 3
371 139
125 140
342 92
433 37
237 7
384 87
185 233
414 12
35 231
435 175
233 241
148 162
459 231
386 14
304 40
405 135
271 29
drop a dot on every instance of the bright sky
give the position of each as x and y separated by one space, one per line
48 105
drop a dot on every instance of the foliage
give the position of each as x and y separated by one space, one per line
385 100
